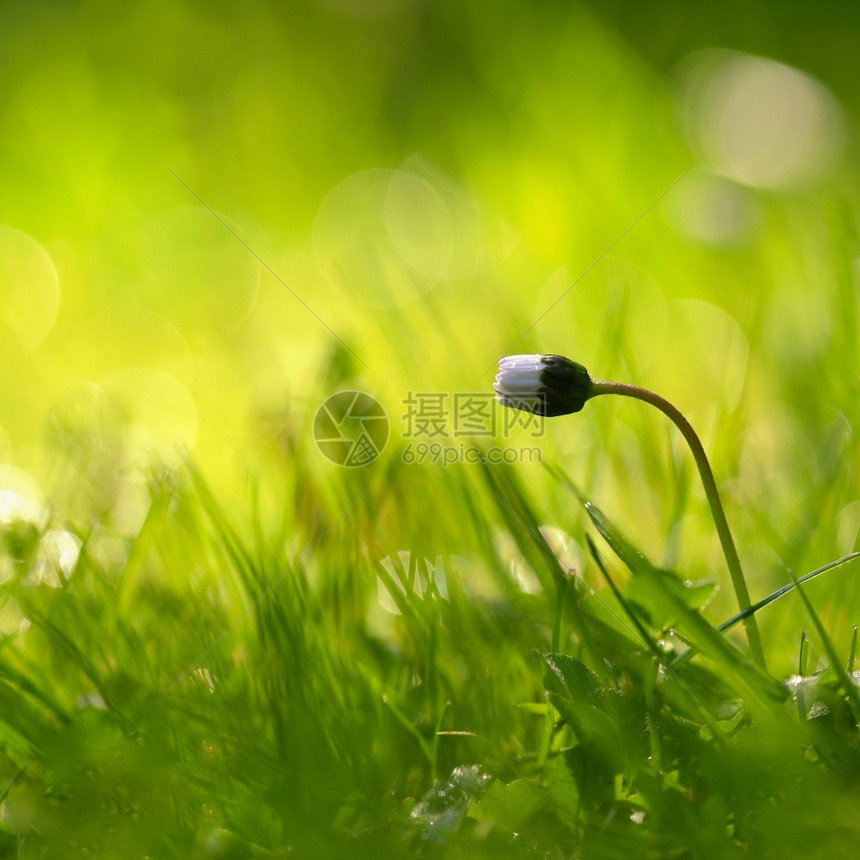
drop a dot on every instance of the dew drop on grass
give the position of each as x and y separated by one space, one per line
444 806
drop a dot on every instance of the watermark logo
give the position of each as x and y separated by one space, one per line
351 428
439 428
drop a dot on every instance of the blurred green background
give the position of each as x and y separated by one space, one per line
214 215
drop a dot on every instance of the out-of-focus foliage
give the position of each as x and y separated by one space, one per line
213 216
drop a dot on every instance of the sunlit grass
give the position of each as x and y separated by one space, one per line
217 643
213 682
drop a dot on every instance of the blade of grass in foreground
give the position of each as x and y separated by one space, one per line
780 592
664 591
845 680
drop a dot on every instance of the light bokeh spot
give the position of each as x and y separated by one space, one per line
419 225
713 210
775 465
759 122
21 498
56 558
612 317
383 238
361 257
29 289
848 528
161 413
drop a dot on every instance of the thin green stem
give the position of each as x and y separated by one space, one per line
711 492
558 638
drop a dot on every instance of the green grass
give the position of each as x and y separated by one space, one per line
214 686
216 644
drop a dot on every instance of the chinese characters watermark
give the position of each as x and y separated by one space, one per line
460 414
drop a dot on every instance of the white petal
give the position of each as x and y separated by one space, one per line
516 383
520 362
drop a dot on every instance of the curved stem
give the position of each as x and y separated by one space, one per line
711 492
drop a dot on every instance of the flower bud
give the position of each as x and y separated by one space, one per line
542 384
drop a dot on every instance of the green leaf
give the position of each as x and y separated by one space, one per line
595 729
623 548
594 774
664 596
563 789
511 805
568 677
640 591
692 594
